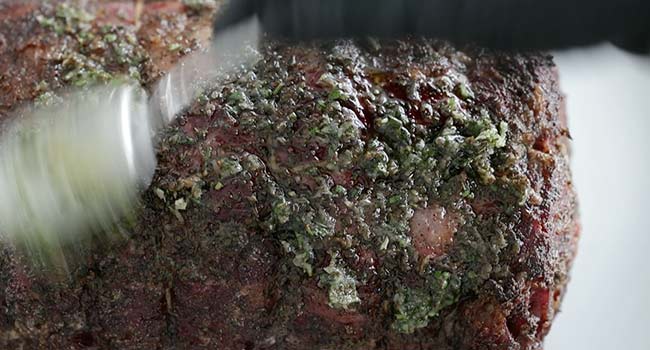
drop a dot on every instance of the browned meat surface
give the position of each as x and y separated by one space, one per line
41 49
348 195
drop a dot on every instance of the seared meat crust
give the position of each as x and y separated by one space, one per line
341 195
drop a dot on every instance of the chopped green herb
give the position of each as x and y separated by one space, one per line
412 310
303 255
342 288
281 211
339 191
198 5
376 160
174 47
160 194
464 91
229 167
278 88
415 307
492 137
337 95
180 204
109 38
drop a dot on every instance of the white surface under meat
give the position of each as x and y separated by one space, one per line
608 304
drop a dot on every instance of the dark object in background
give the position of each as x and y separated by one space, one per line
513 25
351 195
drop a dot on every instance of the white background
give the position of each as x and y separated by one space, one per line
608 303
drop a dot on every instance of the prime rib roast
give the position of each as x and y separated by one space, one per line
355 194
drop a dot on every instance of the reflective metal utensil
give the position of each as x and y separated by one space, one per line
77 167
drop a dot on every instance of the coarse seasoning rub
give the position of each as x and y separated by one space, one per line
341 195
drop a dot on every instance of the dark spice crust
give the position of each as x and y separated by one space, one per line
248 265
35 58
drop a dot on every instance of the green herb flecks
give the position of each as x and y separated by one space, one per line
303 254
342 287
339 164
93 52
414 308
199 5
